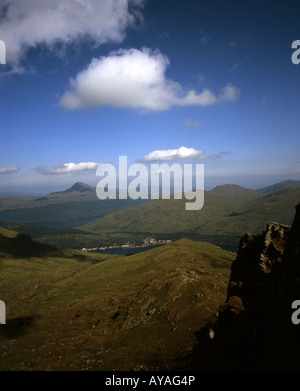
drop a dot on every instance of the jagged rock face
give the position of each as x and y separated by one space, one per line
254 328
292 258
256 272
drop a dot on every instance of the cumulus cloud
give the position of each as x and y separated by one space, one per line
26 24
135 79
9 169
179 154
191 124
69 168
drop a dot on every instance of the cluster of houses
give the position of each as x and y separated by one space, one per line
146 242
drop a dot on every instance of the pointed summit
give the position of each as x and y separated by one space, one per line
80 187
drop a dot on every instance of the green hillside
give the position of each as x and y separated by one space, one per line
164 216
68 310
219 216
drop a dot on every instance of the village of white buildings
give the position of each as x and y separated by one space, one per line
146 242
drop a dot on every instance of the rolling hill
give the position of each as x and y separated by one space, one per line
69 310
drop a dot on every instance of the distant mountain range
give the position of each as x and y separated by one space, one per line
74 206
18 194
279 186
228 212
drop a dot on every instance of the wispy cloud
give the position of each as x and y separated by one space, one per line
26 24
238 64
9 169
69 168
192 124
204 40
204 37
135 79
179 154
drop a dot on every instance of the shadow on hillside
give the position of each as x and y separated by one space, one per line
23 246
203 355
17 326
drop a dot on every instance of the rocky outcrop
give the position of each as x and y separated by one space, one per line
253 329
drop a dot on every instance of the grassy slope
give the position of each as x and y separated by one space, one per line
68 311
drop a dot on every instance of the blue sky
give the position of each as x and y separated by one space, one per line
88 81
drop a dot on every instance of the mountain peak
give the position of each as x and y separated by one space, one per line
236 192
80 187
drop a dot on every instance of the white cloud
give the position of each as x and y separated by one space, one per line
135 79
9 169
191 124
69 168
179 154
25 24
